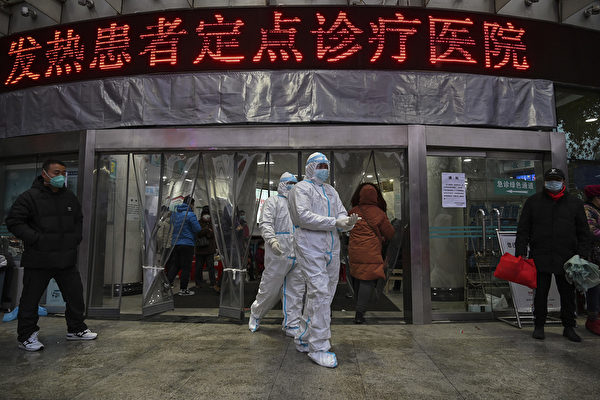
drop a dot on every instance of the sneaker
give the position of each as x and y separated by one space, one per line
324 358
254 323
593 326
186 292
569 333
302 347
83 335
538 333
32 344
291 331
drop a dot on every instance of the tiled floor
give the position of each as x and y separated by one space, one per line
218 359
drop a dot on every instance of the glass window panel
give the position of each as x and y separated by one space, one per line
112 178
462 257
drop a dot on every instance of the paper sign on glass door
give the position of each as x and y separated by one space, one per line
454 193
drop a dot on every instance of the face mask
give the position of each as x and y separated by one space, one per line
242 218
58 181
322 174
205 217
553 186
289 186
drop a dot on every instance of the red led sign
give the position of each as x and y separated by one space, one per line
298 38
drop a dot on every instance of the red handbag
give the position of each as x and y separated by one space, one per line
517 270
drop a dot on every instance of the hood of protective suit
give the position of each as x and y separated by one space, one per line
311 166
285 178
367 196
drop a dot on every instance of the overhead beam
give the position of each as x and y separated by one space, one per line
570 7
52 9
116 4
498 4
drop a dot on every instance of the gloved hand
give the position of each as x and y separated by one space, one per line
346 223
342 223
352 220
276 247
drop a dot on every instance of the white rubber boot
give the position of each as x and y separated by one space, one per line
253 324
324 358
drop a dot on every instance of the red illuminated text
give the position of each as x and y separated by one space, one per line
403 27
218 37
64 52
112 44
505 43
163 43
339 40
449 43
23 59
279 40
294 37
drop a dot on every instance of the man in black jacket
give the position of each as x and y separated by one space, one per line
554 225
48 219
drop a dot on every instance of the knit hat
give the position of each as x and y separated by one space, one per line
591 191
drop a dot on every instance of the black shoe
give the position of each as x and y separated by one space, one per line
359 318
569 333
538 333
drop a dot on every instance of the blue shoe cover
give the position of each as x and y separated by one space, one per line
42 312
11 315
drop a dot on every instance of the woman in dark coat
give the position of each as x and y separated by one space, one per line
366 241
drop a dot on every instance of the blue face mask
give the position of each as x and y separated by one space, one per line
322 174
58 181
553 186
289 186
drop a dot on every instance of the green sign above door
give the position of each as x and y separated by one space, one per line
515 187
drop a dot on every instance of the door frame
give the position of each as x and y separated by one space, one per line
417 139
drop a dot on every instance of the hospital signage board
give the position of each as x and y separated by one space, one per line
326 37
454 190
515 187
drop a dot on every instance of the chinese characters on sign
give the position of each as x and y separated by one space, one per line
454 190
288 37
515 187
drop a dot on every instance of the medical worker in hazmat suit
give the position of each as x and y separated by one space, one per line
281 278
318 215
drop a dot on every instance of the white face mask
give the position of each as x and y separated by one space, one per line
205 217
553 186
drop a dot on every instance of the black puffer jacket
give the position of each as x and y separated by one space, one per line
554 230
49 224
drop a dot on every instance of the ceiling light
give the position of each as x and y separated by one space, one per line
591 120
86 3
391 180
28 12
369 176
467 160
592 10
264 162
530 2
270 182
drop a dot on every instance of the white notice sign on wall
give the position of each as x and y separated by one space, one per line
454 190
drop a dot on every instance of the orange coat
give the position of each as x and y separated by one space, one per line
364 249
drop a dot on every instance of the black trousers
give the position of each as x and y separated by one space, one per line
181 259
362 293
35 282
567 299
209 260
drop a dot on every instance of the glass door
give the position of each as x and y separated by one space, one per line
469 197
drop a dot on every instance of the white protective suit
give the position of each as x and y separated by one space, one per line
314 208
281 278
